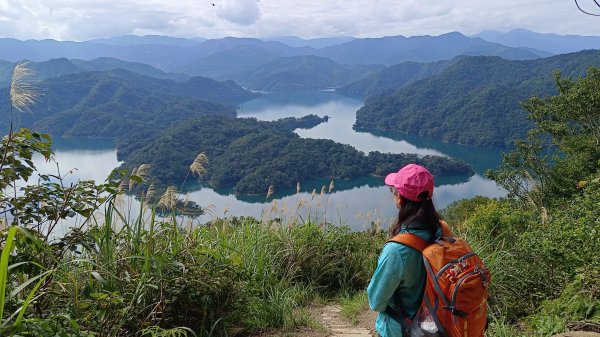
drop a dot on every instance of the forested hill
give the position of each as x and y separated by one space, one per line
394 77
62 66
475 101
251 155
302 73
108 104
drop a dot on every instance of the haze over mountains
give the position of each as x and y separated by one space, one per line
173 55
437 82
551 43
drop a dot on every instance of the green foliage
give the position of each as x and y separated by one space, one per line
475 101
251 155
563 150
461 210
353 306
578 304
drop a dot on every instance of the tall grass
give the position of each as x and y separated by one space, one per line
151 276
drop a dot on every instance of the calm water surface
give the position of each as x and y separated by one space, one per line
357 202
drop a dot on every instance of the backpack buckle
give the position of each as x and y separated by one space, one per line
455 311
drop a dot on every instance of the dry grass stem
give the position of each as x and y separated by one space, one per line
270 191
23 93
297 187
123 185
150 194
331 186
323 189
198 167
169 199
143 172
132 181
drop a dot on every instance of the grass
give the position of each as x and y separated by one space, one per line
155 277
353 306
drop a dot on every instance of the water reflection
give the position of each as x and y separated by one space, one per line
357 202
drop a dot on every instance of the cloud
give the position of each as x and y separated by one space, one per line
87 19
241 12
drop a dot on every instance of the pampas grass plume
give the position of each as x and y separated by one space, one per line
23 93
198 166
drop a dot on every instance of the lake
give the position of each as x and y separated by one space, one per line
357 203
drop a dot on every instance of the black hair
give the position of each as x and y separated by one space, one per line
420 214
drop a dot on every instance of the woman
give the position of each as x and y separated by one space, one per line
396 288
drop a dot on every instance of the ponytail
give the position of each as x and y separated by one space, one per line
417 214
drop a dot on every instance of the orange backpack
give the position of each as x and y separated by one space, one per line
456 287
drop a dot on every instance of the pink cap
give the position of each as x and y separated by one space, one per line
411 181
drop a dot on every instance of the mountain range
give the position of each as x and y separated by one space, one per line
214 58
551 43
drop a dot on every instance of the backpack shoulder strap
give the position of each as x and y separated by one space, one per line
446 231
411 240
418 243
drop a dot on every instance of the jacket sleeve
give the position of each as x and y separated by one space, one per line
387 278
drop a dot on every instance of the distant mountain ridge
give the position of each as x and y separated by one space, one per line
397 49
208 58
475 101
62 66
552 43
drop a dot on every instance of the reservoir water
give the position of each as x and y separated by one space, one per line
357 203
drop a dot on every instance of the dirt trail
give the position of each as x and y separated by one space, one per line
339 326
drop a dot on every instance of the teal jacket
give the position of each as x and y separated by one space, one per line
398 281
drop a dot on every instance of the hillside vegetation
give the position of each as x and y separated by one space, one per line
392 78
476 101
302 73
251 155
112 103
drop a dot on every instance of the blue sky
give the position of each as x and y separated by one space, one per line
87 19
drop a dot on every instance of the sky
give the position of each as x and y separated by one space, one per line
80 20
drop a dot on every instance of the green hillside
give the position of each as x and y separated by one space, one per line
393 78
475 101
108 104
302 73
250 155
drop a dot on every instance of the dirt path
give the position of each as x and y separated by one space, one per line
339 326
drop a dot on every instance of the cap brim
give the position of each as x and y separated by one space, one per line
390 179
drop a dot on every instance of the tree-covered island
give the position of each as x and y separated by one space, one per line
251 155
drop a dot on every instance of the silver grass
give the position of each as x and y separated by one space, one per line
143 172
270 191
198 167
132 181
23 93
150 193
331 186
297 187
169 199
